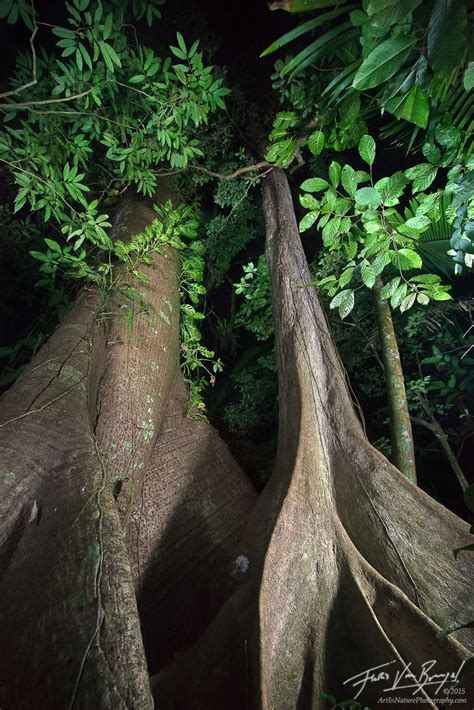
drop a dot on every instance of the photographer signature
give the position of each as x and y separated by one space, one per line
404 679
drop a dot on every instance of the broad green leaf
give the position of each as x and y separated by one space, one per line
344 300
440 296
398 295
469 77
367 274
282 153
422 176
54 246
426 279
423 299
181 42
391 188
446 40
367 149
316 142
415 225
314 185
404 259
346 276
383 62
308 221
108 26
309 202
350 248
368 197
349 179
407 302
413 106
335 173
389 289
331 230
38 255
449 136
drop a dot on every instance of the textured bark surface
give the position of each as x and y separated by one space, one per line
78 534
401 435
350 566
68 611
184 529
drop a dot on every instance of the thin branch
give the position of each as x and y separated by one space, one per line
28 104
221 176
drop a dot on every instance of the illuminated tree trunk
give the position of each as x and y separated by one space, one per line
110 495
348 565
401 436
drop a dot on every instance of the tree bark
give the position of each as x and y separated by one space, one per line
401 435
81 431
349 566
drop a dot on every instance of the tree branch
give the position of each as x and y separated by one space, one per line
28 104
435 427
221 176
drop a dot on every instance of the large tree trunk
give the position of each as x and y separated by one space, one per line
109 491
344 565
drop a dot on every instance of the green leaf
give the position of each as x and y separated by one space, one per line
391 188
108 26
314 185
64 33
54 246
440 296
407 302
335 173
316 142
181 43
469 77
346 276
368 197
302 29
446 40
404 259
331 230
309 202
383 62
367 274
344 300
367 149
413 107
415 225
349 179
282 153
422 176
308 221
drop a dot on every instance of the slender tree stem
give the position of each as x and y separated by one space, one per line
403 452
435 427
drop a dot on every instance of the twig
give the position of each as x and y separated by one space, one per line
221 176
28 104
